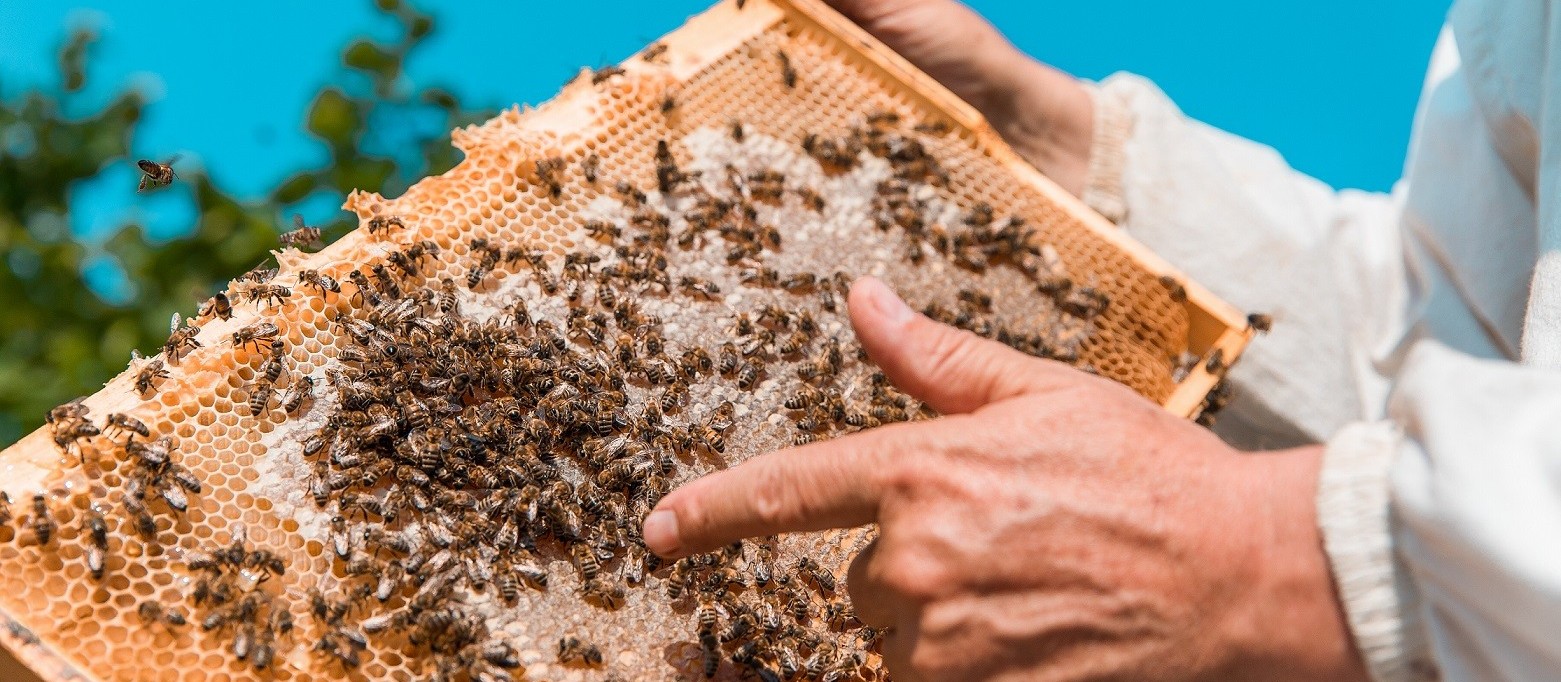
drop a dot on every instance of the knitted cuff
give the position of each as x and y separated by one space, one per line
1353 512
1108 154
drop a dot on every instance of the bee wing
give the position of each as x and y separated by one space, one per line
298 222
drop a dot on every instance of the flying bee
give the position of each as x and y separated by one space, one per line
788 72
150 373
323 283
217 305
301 235
1261 322
154 174
151 612
301 391
258 333
550 174
43 519
383 223
696 286
274 294
571 650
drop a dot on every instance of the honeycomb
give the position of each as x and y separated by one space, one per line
827 157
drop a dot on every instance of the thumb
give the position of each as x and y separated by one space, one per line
952 370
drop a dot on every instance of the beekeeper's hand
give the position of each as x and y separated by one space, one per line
1052 525
1044 113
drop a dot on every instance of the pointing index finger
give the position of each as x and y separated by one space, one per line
833 484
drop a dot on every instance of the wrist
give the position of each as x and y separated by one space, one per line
1047 116
1291 625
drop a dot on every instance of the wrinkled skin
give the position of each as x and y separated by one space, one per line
1052 525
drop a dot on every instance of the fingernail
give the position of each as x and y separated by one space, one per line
886 302
661 532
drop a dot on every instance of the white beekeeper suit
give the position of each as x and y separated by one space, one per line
1418 334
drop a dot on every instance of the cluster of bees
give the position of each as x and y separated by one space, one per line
466 454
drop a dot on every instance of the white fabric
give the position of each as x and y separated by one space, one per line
1418 333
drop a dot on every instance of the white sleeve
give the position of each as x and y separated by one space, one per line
1476 511
1236 218
1440 506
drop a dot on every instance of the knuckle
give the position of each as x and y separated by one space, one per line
913 577
775 502
949 351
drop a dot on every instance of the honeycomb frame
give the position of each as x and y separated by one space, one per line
36 464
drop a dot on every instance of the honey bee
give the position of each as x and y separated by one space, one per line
939 127
599 76
259 334
1177 292
604 593
799 282
217 305
274 294
1216 362
811 199
668 104
343 644
979 300
699 287
301 391
1261 322
883 118
737 131
550 173
152 612
383 223
788 72
301 235
322 283
572 650
148 374
667 174
154 454
812 571
43 519
125 423
747 375
655 52
155 175
180 341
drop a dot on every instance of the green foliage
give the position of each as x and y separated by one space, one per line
58 339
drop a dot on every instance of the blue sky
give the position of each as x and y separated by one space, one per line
1331 84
